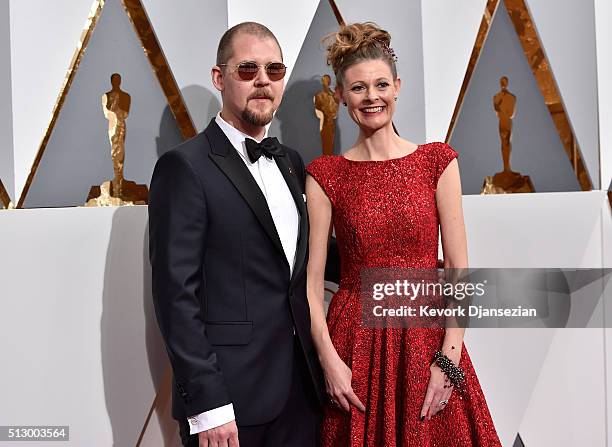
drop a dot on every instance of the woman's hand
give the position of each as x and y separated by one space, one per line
338 383
439 390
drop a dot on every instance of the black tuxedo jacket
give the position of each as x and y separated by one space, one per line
224 298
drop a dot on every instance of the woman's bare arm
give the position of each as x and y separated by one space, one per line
320 220
338 376
454 242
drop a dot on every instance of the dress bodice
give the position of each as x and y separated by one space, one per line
384 212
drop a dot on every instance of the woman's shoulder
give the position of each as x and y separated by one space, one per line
324 170
322 163
438 155
437 148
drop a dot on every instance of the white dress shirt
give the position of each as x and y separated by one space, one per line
286 220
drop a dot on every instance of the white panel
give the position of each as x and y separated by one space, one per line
533 230
449 33
606 217
572 374
44 36
567 407
567 33
161 425
289 24
508 363
77 325
189 33
94 330
6 121
522 231
603 18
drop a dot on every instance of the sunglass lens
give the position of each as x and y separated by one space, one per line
247 70
276 71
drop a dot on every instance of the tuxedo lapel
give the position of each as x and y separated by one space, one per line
227 159
288 171
285 167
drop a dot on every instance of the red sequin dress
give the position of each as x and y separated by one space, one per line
385 215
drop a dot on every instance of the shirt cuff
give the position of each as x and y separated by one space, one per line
211 419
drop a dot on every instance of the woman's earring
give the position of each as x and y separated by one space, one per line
344 102
395 98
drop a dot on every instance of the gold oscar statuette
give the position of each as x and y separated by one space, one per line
118 191
326 109
506 181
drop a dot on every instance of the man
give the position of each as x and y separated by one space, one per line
228 242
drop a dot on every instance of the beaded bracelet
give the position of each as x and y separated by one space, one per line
454 373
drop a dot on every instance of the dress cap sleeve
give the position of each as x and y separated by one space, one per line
323 170
443 154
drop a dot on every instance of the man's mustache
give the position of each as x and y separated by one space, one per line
261 94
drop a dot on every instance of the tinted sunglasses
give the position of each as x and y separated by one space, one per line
247 70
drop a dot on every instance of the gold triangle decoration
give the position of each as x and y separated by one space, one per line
153 51
144 29
481 37
161 407
536 57
5 200
336 11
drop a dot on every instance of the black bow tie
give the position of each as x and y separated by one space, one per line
269 147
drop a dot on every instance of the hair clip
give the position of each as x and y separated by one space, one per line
387 49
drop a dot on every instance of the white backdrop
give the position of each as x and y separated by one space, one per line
77 279
81 344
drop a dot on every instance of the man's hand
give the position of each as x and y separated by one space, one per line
225 435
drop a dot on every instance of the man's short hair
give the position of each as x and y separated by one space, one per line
225 49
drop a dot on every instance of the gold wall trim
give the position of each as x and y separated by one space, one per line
4 197
90 24
152 49
481 37
536 57
142 25
162 400
542 71
336 11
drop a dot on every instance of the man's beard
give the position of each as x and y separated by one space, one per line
256 118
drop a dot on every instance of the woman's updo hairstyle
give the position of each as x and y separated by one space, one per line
355 43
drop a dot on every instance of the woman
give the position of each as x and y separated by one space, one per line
385 197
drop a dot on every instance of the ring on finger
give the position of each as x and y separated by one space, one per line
444 402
